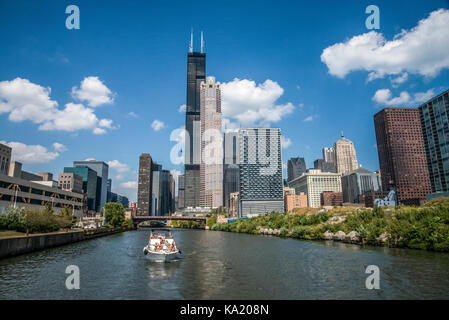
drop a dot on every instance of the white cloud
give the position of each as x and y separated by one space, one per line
308 119
90 159
285 142
182 108
249 103
30 153
94 92
59 147
157 125
74 117
422 50
421 97
399 80
105 123
24 100
129 185
384 97
132 114
117 165
99 131
119 177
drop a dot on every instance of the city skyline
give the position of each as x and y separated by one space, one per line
305 88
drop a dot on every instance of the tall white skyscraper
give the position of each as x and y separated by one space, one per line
345 156
211 168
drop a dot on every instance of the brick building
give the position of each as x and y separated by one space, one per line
402 157
332 198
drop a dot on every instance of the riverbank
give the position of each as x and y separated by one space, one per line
425 228
14 245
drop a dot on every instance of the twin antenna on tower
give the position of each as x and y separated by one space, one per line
191 42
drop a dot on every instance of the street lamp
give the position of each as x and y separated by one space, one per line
15 197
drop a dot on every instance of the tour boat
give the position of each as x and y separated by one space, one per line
161 247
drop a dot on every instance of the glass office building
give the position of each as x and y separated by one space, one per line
230 167
102 170
434 116
260 175
89 184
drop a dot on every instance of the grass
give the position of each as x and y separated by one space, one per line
10 233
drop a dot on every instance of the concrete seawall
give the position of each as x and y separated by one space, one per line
13 246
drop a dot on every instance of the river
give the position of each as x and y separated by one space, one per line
220 265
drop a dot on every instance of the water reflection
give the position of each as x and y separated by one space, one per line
161 270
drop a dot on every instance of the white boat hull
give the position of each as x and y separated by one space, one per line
159 256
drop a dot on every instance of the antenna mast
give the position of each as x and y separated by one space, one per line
202 43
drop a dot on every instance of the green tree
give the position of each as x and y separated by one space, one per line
211 222
128 223
49 208
114 213
66 212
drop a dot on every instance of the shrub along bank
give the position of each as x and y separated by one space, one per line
35 220
424 227
45 220
186 224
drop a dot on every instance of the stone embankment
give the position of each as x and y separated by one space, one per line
351 237
270 232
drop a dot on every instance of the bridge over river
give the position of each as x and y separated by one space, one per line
140 219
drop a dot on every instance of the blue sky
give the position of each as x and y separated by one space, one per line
137 50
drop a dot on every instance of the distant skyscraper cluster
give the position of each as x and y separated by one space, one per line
84 187
219 168
242 169
413 150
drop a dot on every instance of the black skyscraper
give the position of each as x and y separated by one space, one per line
145 185
196 72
